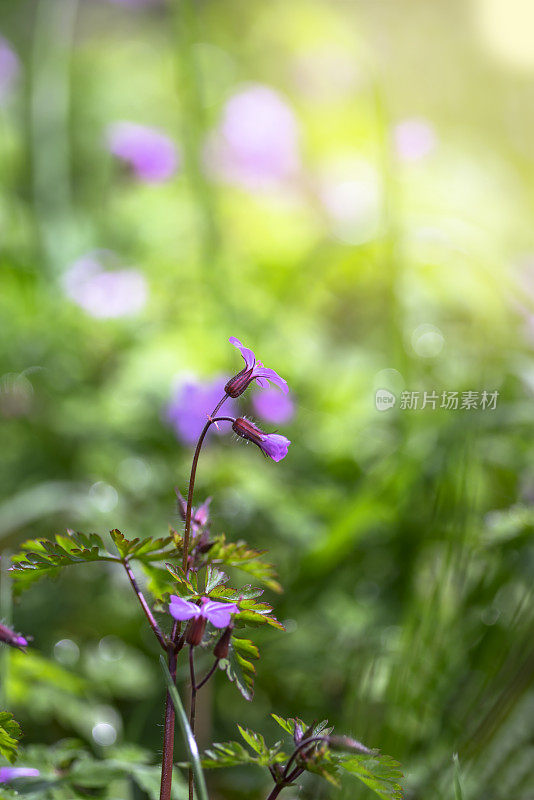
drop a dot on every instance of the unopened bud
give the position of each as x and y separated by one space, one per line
10 637
239 382
221 648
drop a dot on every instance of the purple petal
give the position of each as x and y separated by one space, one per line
219 613
248 355
275 446
11 773
182 609
202 513
150 153
271 375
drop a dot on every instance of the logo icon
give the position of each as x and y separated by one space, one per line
384 399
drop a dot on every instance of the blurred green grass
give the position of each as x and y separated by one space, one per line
403 538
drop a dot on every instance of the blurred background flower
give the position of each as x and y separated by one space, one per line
151 155
191 403
103 292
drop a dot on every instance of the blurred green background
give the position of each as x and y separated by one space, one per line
348 188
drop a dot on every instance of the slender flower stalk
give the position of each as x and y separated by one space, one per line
144 605
168 725
187 527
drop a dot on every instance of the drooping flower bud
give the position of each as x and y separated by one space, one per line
10 637
271 444
223 645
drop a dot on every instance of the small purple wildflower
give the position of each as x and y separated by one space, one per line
253 370
257 142
414 139
219 614
150 153
11 773
105 293
10 637
273 406
9 68
190 404
271 444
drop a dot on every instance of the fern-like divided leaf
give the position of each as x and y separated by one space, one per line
10 733
250 612
245 558
380 773
231 754
144 549
238 666
46 557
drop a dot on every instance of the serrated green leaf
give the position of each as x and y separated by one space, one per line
287 724
144 549
240 555
182 584
240 671
10 733
46 557
380 773
214 578
254 740
229 754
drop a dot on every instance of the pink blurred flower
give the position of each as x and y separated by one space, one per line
9 68
150 153
257 142
102 292
414 139
191 402
273 406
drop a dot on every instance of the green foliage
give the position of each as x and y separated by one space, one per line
231 754
379 772
46 557
10 733
247 559
68 770
145 550
250 612
238 666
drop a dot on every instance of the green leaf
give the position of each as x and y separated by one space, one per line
380 773
144 549
240 555
250 611
254 740
46 557
229 754
239 669
214 578
10 733
287 724
183 584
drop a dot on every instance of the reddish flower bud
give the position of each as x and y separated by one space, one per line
221 648
195 631
272 444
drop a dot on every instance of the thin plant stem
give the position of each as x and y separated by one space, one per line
302 746
149 615
208 676
169 721
192 714
187 528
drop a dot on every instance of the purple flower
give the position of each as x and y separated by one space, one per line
9 68
10 637
149 152
257 142
11 773
253 370
272 444
190 404
273 406
413 139
219 614
102 292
